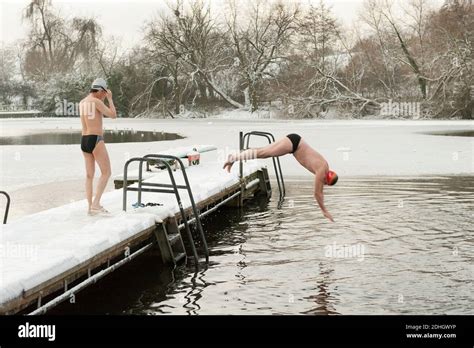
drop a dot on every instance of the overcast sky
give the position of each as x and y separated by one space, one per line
124 19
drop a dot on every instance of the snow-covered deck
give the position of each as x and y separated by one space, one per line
40 248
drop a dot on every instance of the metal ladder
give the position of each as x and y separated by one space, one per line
5 216
170 242
245 139
173 188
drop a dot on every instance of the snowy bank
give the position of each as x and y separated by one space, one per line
376 147
40 246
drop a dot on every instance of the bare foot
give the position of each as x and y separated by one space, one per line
228 165
95 211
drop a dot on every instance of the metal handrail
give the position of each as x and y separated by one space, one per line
196 213
5 216
167 188
175 191
276 160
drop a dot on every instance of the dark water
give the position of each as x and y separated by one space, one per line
399 245
74 137
455 133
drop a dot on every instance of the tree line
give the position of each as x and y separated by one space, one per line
293 57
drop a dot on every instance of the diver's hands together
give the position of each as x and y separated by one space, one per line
228 165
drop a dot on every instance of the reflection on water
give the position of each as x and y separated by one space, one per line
61 137
416 256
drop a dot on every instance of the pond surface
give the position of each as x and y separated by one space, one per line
61 137
400 245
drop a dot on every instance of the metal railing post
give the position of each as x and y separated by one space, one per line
125 180
125 172
140 176
241 170
241 148
276 160
5 216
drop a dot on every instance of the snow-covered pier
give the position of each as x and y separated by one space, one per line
48 257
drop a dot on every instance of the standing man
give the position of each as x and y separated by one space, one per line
92 109
304 154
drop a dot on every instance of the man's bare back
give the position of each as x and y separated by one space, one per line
310 158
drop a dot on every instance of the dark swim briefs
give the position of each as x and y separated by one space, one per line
88 142
295 140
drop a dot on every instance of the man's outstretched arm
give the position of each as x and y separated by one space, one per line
319 195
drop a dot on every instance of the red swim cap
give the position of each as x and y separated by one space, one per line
331 178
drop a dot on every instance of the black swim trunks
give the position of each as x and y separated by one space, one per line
88 142
295 140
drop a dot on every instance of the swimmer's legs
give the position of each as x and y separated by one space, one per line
280 147
102 158
90 171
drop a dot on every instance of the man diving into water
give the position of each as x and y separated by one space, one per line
304 154
92 109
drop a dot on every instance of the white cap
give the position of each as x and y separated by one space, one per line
99 83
